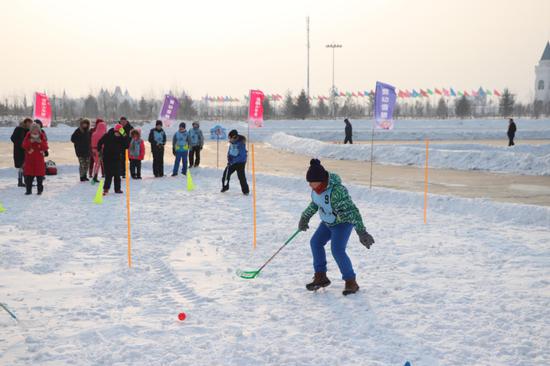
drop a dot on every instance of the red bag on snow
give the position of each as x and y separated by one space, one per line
51 169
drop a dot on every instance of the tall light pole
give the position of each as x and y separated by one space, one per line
333 89
307 22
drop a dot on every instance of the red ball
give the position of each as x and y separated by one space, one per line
182 316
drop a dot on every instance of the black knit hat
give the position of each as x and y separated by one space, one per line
158 123
182 125
316 172
233 133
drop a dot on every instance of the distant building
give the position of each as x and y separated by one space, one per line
542 76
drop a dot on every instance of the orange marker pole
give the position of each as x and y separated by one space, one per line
128 210
254 194
426 185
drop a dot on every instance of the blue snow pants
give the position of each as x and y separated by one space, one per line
338 236
180 155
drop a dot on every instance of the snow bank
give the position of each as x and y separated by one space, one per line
524 159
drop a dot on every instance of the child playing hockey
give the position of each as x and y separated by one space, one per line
35 146
136 152
236 161
180 147
339 216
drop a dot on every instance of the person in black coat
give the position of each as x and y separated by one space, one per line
511 132
111 147
127 129
82 140
157 139
17 138
348 131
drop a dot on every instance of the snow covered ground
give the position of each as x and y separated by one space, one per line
333 130
470 288
519 159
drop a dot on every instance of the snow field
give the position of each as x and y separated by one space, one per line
471 287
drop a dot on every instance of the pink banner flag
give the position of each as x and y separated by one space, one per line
42 109
256 108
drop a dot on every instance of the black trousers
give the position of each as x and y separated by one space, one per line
239 168
112 171
28 183
511 140
194 156
135 168
348 139
158 160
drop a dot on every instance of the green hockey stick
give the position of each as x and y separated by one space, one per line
253 274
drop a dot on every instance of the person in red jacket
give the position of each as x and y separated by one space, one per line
35 146
136 153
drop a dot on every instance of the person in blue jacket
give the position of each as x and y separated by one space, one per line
180 147
236 161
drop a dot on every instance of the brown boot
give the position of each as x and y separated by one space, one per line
351 287
320 279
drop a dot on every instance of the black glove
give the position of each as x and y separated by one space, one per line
46 153
174 152
200 147
366 239
303 224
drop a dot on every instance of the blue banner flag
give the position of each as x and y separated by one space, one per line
383 105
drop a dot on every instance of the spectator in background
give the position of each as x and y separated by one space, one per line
511 132
348 131
17 138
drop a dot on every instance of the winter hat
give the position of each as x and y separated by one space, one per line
158 123
124 119
316 172
182 125
196 123
38 122
120 129
233 133
98 121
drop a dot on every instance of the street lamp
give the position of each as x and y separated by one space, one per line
333 90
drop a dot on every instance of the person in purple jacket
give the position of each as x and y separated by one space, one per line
236 161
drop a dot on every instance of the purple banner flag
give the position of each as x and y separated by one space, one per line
169 110
383 105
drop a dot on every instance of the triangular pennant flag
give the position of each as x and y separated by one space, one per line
460 93
437 91
453 94
488 92
190 185
496 93
430 92
2 209
466 93
98 200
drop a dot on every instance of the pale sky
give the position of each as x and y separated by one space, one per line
228 47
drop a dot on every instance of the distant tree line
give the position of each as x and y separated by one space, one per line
112 105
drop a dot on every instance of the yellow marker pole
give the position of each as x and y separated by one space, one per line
128 210
254 194
190 184
426 185
2 209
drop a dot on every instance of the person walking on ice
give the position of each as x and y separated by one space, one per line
236 161
339 216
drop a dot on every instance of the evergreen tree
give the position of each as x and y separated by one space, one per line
268 111
322 109
419 109
463 108
125 109
289 108
187 110
506 104
303 107
538 108
442 109
91 108
144 109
